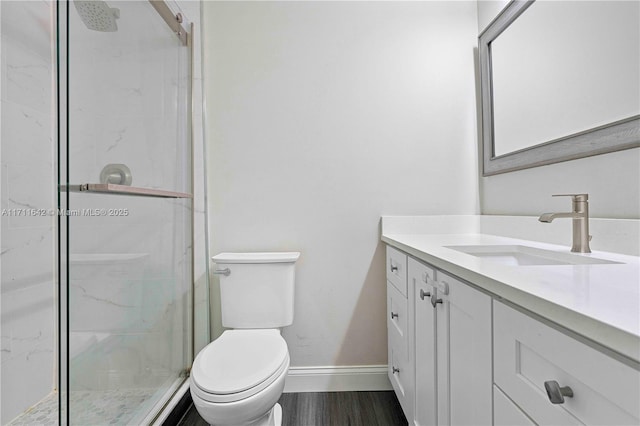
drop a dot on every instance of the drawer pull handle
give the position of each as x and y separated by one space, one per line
435 300
556 393
225 272
394 268
394 315
423 294
395 370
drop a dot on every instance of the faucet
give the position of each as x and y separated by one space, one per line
580 216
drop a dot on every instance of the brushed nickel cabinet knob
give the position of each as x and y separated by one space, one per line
556 393
424 294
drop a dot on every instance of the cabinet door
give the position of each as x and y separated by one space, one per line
463 348
425 345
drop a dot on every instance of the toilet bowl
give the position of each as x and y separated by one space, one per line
238 378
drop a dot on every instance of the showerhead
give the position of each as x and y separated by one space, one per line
97 16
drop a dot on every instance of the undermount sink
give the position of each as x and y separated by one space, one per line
518 255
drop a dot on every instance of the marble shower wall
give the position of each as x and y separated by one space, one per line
27 261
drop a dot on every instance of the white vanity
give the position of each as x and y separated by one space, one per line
480 325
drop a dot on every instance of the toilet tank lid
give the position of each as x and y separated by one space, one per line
281 257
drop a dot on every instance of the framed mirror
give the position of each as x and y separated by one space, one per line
560 80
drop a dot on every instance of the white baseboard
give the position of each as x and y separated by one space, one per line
337 379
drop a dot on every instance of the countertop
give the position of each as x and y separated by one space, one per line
599 302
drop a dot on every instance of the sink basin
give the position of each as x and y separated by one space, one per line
518 255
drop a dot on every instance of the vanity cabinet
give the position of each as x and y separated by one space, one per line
459 355
452 352
529 354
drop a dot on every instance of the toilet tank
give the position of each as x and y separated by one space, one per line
258 290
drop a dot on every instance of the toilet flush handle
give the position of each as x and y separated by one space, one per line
225 272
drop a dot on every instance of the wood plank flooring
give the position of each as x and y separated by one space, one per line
331 409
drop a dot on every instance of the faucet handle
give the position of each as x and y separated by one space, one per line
574 197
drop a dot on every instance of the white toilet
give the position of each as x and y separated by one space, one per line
238 378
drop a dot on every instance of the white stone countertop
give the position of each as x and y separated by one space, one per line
600 302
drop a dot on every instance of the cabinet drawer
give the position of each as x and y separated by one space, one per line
397 320
527 353
401 377
397 269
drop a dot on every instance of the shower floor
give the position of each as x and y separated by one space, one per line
114 407
44 412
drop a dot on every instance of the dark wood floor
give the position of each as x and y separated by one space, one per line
331 409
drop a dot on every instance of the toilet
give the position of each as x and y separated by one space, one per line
238 378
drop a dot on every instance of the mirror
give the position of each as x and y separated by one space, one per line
560 80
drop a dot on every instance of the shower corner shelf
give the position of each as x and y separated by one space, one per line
110 188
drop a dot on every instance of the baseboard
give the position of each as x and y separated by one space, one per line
337 379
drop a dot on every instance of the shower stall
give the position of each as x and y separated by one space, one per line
98 225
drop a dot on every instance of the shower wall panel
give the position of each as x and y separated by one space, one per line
27 234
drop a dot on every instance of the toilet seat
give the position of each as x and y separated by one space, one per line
239 364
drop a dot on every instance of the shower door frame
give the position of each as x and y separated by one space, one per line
61 80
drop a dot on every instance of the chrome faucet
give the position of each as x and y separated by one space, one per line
580 216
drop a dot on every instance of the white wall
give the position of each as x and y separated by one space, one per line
321 117
487 11
612 180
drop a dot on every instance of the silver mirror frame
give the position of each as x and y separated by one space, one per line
616 136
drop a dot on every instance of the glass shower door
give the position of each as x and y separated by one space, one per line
128 213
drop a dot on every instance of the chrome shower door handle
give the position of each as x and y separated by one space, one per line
225 272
